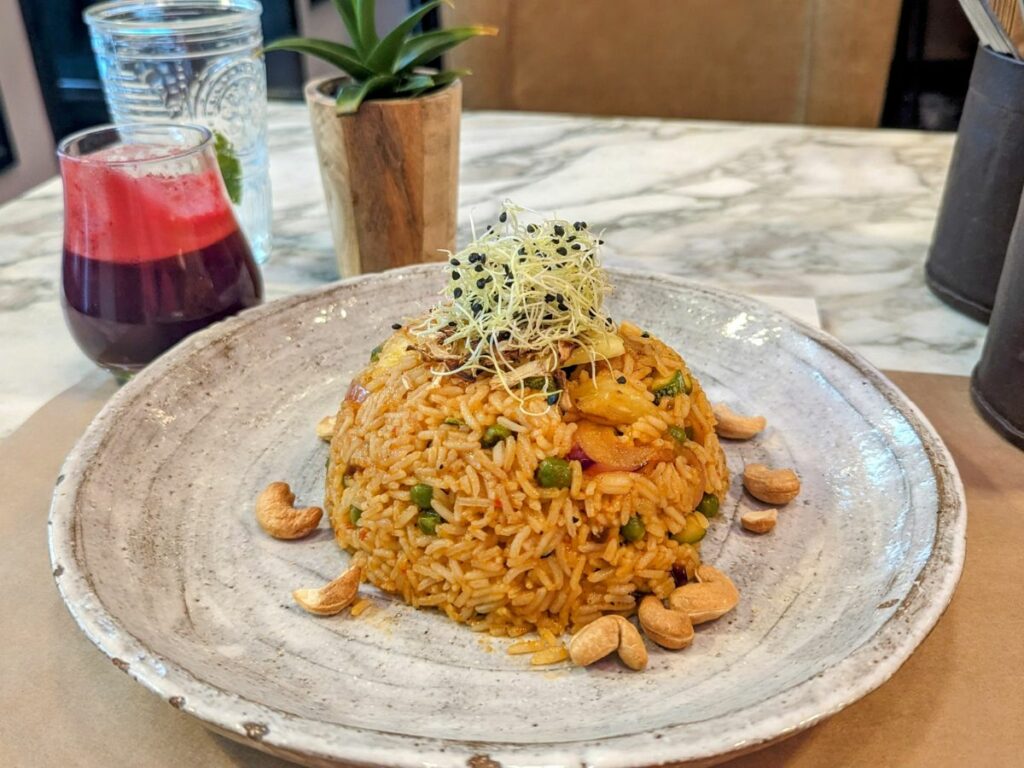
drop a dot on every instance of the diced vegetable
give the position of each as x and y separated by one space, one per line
673 385
708 505
428 522
634 529
451 421
375 353
692 532
421 495
494 434
536 382
554 472
602 445
354 513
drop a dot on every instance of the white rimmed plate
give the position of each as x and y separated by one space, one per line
161 563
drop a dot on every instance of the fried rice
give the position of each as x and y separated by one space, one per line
507 554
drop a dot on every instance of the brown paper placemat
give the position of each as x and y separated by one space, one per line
958 701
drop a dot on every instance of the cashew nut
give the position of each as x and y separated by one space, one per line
772 486
604 635
595 641
668 628
760 520
331 598
712 596
325 428
632 650
735 426
277 516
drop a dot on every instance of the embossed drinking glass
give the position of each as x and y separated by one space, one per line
194 61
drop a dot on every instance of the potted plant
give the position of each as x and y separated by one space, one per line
387 137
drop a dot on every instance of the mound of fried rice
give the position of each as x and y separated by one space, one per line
509 556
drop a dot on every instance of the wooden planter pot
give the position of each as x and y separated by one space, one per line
390 174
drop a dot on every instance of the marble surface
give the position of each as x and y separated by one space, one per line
840 216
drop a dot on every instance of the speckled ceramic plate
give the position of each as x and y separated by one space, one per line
158 556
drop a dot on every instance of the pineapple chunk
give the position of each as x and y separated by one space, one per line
606 401
604 347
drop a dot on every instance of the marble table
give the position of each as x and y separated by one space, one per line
843 216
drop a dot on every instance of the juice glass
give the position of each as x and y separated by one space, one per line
152 250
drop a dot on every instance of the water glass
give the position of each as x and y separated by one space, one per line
152 250
194 61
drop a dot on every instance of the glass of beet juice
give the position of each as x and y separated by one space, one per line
152 250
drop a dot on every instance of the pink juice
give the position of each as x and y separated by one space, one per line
149 259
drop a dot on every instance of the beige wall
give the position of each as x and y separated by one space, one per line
27 123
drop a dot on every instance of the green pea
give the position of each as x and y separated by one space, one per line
634 529
421 495
554 473
536 382
679 434
494 434
692 532
708 505
354 513
428 522
451 421
375 353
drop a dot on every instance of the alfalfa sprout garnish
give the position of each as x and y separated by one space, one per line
520 301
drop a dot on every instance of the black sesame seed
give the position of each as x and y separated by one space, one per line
473 258
457 292
452 323
559 230
454 262
522 251
645 335
504 336
455 275
396 326
578 225
600 242
621 379
570 238
478 268
481 283
561 250
560 297
531 228
576 246
553 398
503 218
555 241
549 297
563 308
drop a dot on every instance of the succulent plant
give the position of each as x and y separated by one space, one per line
384 67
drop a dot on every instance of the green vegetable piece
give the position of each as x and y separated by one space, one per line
421 495
536 382
679 434
634 529
375 353
354 513
428 522
230 167
692 532
669 387
554 473
494 434
451 421
708 505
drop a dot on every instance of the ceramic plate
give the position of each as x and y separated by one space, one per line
159 558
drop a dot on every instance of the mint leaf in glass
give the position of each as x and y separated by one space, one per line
230 167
